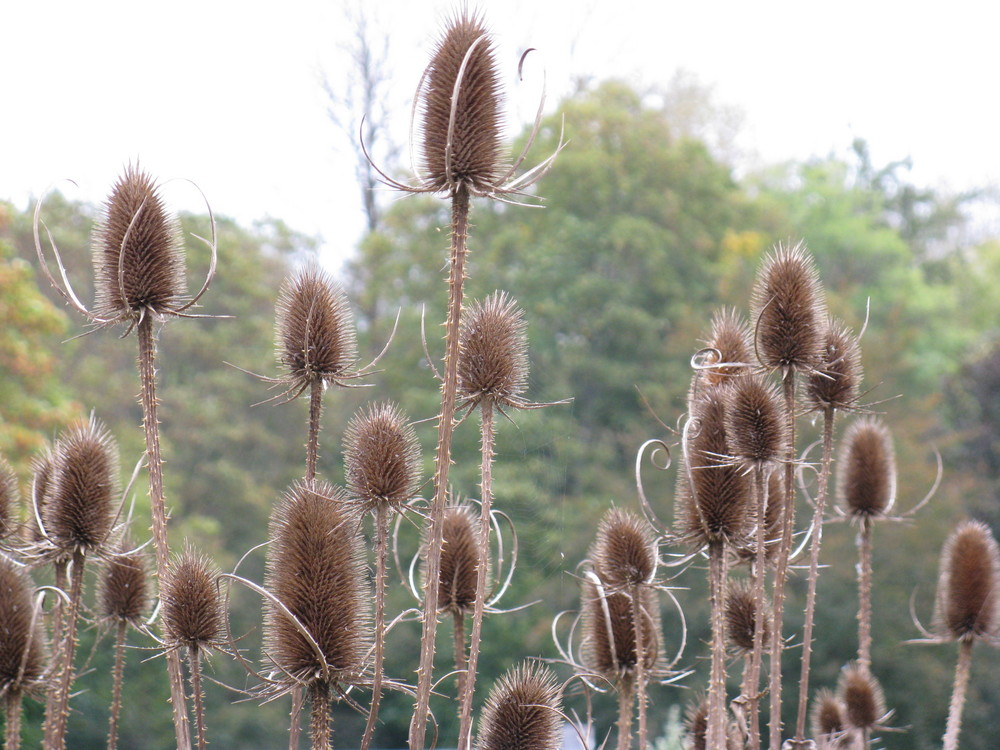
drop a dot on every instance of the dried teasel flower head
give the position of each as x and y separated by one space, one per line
728 348
138 253
837 378
23 654
522 712
746 551
192 609
968 592
862 697
83 488
382 456
315 337
493 352
9 499
316 570
866 470
696 727
827 718
756 423
124 592
788 311
624 553
41 485
741 613
459 560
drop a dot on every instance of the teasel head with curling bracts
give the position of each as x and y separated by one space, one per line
728 351
523 712
624 553
836 381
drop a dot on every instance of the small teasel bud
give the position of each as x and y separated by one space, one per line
138 252
866 469
862 697
315 338
756 423
741 613
968 591
827 717
9 499
459 560
124 593
493 359
316 568
192 608
835 382
381 455
461 109
22 647
730 347
788 310
84 487
624 551
608 647
522 712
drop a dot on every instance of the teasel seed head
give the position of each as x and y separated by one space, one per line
827 718
9 499
730 348
624 550
315 337
459 560
522 712
746 551
788 310
968 592
756 424
862 697
41 487
381 456
124 593
23 654
696 726
138 252
837 378
192 609
493 352
866 469
461 110
84 488
714 495
741 611
316 568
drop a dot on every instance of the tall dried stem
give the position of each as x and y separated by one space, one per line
716 730
56 722
865 594
117 677
319 725
12 733
197 696
625 699
312 444
381 544
962 669
641 678
752 680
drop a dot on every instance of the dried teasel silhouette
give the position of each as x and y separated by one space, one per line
625 551
755 422
746 551
125 593
381 457
829 725
493 361
522 712
191 607
728 350
862 698
696 727
741 613
836 381
967 604
866 473
459 560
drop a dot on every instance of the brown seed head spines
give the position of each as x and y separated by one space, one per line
608 647
866 469
862 697
9 499
381 456
22 645
730 347
138 252
624 551
192 608
42 467
756 424
522 712
124 593
459 560
827 715
837 378
741 612
493 352
968 591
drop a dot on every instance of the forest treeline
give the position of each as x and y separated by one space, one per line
643 234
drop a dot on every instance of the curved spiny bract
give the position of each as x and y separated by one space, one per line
191 607
493 352
866 470
381 456
124 592
23 657
138 253
756 423
837 379
862 697
624 550
461 111
316 569
967 604
522 712
741 613
788 310
459 560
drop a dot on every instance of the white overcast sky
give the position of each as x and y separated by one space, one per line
227 93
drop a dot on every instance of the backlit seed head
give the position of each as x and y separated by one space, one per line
461 110
9 499
827 717
382 456
315 338
316 568
731 349
968 591
22 645
624 551
837 378
866 469
741 612
493 352
522 712
124 594
192 609
138 252
756 422
459 560
862 697
788 310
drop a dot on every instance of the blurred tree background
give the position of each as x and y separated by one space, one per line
646 229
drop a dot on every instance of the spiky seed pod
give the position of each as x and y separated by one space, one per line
84 488
730 343
315 337
747 549
862 697
713 499
696 722
461 110
837 378
756 424
624 551
41 485
138 252
9 499
522 712
381 456
866 469
968 591
827 717
788 310
741 611
124 594
316 568
22 647
608 646
493 352
192 609
459 560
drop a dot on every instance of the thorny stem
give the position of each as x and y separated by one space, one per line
781 569
151 423
962 670
381 540
198 697
56 722
625 715
12 736
58 616
716 729
817 540
295 724
458 636
312 445
640 662
468 685
117 677
446 425
865 594
319 726
752 680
